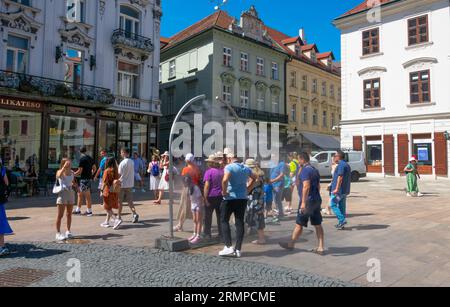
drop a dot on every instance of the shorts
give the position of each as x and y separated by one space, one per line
66 197
260 221
269 205
312 214
196 207
126 195
137 177
287 194
85 185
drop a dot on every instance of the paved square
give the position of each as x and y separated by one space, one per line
409 236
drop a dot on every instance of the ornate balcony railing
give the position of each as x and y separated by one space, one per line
134 104
261 115
46 87
131 40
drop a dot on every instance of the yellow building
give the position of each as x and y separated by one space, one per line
313 87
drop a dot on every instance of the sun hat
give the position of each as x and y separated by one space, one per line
190 157
413 158
251 163
166 154
212 159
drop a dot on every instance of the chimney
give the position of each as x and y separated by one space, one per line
301 33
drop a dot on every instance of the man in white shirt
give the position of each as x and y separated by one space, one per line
126 172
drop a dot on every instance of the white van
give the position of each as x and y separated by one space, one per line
356 159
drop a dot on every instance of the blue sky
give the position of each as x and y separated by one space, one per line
287 16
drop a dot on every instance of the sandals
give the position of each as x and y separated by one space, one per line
178 228
317 252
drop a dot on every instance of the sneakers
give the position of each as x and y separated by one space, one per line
341 226
238 254
227 252
69 235
420 195
60 237
77 211
135 218
88 214
117 224
408 195
192 237
4 252
105 225
196 240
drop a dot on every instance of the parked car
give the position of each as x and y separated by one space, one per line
356 159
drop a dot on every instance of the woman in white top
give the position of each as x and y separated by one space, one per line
66 198
154 169
164 182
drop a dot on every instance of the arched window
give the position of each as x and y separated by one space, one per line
129 20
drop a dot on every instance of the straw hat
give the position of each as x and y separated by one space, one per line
166 154
251 163
212 159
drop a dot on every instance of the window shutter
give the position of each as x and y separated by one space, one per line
440 148
389 165
357 143
403 152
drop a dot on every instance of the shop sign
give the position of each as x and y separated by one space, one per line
136 117
108 114
21 104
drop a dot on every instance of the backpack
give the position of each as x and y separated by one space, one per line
155 170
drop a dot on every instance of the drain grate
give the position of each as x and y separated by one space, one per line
22 277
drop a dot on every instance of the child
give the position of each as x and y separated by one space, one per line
268 199
197 205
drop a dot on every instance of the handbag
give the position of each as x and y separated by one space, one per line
57 188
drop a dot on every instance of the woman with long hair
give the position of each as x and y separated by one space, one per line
66 198
154 169
5 229
164 182
110 191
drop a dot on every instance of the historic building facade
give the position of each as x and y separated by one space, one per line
313 87
395 84
234 60
77 73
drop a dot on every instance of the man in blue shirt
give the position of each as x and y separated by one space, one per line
277 180
340 189
310 205
238 180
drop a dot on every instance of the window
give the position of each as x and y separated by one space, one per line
275 74
127 80
129 20
333 120
371 41
245 98
244 62
322 158
276 104
191 89
294 113
305 83
6 127
332 90
73 63
305 115
374 153
313 56
423 150
171 100
314 86
24 127
172 69
418 30
324 88
315 118
76 10
227 57
227 91
325 119
293 79
297 50
261 99
420 87
372 94
260 66
17 54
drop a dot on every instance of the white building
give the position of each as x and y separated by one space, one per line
86 69
396 84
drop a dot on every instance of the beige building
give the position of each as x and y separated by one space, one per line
313 87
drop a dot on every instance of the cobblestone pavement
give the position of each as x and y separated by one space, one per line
106 266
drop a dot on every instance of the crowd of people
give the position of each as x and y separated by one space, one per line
223 187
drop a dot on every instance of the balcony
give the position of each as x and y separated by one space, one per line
54 90
123 39
261 115
139 105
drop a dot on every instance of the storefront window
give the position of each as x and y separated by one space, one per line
20 139
66 137
140 139
124 135
107 137
375 155
424 153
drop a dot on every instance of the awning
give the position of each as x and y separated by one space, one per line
323 141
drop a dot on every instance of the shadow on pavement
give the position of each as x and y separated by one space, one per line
30 251
18 218
101 237
346 251
366 227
